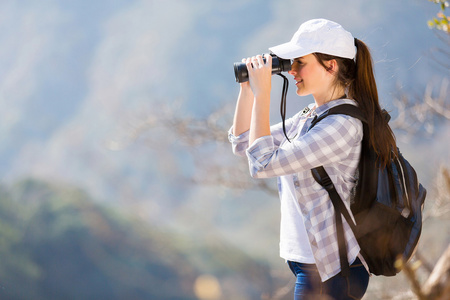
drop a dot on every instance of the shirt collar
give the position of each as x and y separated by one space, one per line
324 107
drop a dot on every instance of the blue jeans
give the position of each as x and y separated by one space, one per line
309 285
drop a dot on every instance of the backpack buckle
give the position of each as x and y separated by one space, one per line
324 180
327 183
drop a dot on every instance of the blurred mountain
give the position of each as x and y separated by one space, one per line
79 78
58 244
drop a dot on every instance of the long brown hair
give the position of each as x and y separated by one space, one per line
359 80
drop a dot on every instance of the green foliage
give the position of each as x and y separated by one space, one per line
55 243
441 21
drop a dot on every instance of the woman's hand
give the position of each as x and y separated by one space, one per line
260 74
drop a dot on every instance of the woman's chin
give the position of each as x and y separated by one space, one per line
301 93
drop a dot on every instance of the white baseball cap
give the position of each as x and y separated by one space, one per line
318 35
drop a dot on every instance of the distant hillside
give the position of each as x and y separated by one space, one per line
57 244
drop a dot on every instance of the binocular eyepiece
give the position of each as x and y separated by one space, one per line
278 65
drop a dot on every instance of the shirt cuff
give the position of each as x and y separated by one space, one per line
260 153
239 143
243 137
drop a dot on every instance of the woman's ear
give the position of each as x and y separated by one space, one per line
331 66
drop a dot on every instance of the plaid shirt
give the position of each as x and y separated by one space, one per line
335 143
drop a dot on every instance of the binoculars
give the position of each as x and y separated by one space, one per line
278 65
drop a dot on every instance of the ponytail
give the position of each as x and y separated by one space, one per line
363 89
359 80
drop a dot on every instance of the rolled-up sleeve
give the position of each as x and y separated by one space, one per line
260 154
238 143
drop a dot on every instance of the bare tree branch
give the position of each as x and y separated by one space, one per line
441 204
417 114
437 285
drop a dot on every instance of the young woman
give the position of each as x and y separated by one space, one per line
335 68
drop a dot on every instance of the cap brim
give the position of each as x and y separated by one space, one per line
289 51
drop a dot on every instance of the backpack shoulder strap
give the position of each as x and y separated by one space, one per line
321 176
343 109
